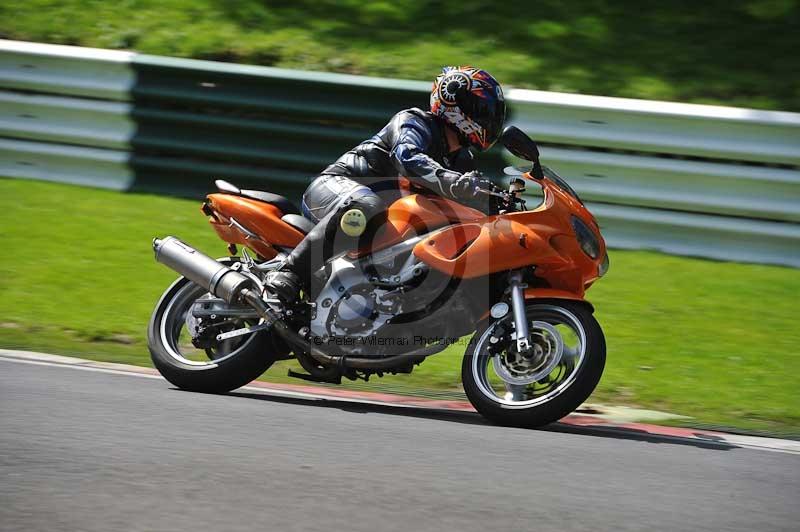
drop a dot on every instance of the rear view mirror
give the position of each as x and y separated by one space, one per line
519 144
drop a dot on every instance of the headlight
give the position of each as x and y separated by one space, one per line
586 237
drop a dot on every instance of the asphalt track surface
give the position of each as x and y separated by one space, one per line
83 450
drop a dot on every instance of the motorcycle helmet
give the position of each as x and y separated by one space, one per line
471 101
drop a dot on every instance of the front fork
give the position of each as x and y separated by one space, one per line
521 333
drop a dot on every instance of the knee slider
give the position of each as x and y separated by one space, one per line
358 213
353 222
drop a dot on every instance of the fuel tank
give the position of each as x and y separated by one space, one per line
418 214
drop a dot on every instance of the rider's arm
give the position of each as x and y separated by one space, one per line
413 138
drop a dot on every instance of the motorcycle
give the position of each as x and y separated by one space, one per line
436 272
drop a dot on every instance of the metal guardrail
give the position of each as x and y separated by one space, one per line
714 132
689 179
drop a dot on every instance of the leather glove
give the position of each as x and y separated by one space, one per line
465 187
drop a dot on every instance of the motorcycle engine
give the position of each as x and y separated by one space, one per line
355 311
361 297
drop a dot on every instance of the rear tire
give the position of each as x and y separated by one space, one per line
246 364
583 382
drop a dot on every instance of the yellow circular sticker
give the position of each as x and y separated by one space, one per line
353 222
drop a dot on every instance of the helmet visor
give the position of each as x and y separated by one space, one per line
490 114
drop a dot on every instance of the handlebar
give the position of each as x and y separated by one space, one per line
491 193
505 201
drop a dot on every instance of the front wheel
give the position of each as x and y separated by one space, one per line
543 384
214 366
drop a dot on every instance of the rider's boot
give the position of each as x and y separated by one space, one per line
356 217
294 274
284 284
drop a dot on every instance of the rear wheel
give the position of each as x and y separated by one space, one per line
215 366
545 383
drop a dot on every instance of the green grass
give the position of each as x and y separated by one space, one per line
715 341
736 53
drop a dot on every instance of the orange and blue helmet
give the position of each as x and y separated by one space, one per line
472 102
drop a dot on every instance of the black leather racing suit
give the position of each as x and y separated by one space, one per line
412 145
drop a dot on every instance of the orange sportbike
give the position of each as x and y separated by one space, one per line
503 290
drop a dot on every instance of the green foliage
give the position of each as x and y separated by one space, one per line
734 53
716 341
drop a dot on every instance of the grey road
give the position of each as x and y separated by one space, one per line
91 451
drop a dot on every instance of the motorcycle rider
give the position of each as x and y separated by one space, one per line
430 148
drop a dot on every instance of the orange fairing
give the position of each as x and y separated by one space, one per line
261 219
543 238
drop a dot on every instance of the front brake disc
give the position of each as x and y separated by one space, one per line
543 336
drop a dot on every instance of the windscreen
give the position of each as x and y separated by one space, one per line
562 184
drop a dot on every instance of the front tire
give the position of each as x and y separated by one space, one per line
220 372
504 396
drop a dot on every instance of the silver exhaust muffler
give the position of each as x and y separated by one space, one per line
225 283
198 267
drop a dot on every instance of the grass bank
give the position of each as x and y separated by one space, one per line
715 341
733 53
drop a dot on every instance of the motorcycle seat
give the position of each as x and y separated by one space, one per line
282 203
301 223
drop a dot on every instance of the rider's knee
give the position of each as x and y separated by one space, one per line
361 214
